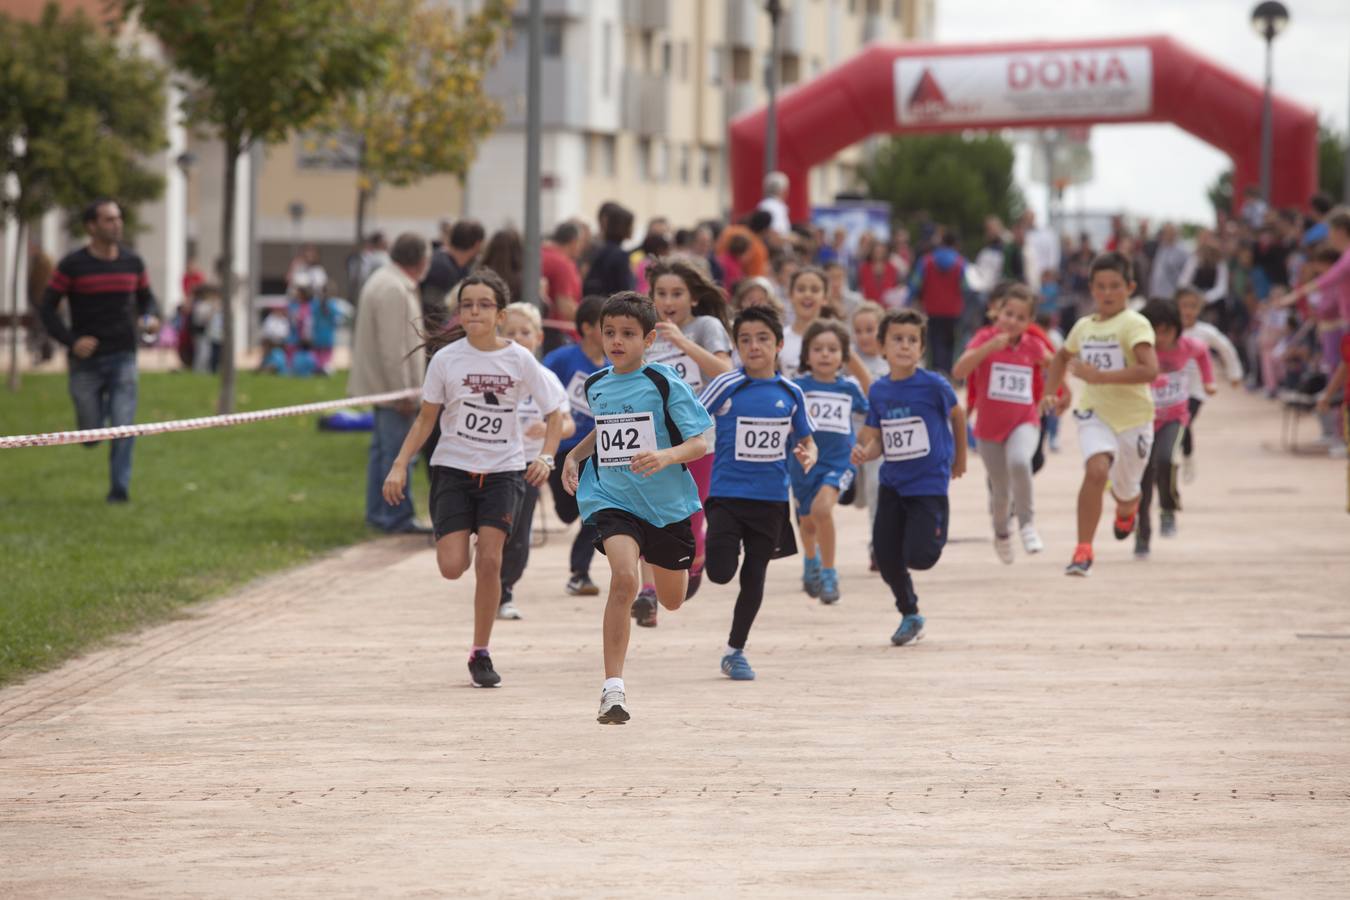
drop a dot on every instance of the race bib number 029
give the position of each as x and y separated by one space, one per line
576 393
903 439
620 437
1010 383
485 425
1105 356
761 440
1173 390
830 412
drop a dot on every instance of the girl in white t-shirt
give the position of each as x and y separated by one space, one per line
479 471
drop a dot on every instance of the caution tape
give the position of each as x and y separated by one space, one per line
127 431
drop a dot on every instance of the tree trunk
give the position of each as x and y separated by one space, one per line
362 200
18 306
233 149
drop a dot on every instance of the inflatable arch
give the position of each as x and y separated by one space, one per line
924 87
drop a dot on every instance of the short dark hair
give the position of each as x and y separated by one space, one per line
467 234
765 315
950 238
1006 288
90 213
565 233
1321 203
409 250
1111 261
1163 312
617 224
486 276
1326 254
904 317
815 330
759 220
588 311
1339 218
632 305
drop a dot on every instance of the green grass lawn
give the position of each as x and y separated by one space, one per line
209 510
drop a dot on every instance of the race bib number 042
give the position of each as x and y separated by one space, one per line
1010 383
620 437
903 439
761 440
1105 356
830 412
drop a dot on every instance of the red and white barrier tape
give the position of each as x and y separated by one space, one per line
125 431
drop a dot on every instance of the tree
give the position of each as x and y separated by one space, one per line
1220 194
79 114
957 180
253 72
429 111
1331 165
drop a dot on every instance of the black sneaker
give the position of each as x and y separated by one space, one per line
481 671
695 580
117 495
580 585
644 609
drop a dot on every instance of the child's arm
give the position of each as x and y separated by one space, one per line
397 479
709 363
1206 371
583 450
1054 378
1338 379
859 371
536 471
971 359
959 433
806 452
649 462
1228 355
868 446
1144 370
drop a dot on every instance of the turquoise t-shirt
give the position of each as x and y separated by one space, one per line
630 417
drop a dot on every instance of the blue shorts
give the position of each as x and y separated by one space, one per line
806 485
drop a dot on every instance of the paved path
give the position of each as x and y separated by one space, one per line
1178 728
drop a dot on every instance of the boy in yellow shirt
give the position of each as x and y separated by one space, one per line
1112 352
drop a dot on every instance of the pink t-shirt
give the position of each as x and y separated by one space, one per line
1335 282
1008 390
1172 388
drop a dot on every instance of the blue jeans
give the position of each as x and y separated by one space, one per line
104 391
386 439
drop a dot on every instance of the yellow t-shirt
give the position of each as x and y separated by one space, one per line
1108 344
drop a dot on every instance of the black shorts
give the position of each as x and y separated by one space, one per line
468 501
668 546
767 519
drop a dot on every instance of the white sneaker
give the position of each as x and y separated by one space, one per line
1187 469
508 611
1003 547
612 707
1031 541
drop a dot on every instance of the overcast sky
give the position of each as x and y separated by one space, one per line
1160 170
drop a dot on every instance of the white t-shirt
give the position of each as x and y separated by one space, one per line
780 221
529 413
479 393
790 357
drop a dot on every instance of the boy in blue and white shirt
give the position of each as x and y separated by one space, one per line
759 414
630 479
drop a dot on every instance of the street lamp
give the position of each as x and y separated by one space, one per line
775 10
1268 20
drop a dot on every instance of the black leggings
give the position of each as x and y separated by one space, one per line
1160 472
1188 442
565 505
942 342
908 534
725 536
516 552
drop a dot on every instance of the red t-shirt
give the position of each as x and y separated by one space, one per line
561 274
1011 383
1038 386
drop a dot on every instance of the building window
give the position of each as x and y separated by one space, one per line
553 37
667 58
684 60
706 166
790 66
897 9
643 159
852 7
588 153
741 64
715 66
608 164
606 57
684 164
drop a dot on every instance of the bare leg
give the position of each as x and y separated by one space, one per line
671 585
822 522
624 582
487 592
1095 474
807 526
453 554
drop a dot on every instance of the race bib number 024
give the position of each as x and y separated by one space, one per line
1010 383
903 439
485 425
620 437
1105 356
830 412
761 440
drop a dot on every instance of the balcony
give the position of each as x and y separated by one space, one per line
563 96
743 22
646 15
742 97
560 9
646 104
792 29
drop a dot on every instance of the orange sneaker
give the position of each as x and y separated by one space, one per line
1082 561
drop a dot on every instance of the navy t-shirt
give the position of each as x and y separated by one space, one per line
914 417
759 421
573 367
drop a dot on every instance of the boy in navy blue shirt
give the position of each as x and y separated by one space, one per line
919 429
573 364
759 414
630 479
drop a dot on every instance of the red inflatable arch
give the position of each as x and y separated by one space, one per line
924 87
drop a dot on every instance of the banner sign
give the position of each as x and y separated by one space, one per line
1091 83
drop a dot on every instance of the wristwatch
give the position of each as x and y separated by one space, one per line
546 459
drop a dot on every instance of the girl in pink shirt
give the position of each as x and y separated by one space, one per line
1171 415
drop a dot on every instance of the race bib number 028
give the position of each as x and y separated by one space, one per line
1010 383
1105 356
620 437
761 440
903 439
830 412
485 425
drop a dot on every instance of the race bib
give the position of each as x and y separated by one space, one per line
830 411
1173 389
1105 356
487 426
903 439
576 393
1010 383
687 369
622 436
761 440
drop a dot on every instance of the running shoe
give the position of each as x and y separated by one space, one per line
644 609
1167 526
481 671
508 610
1123 528
1031 541
580 585
695 581
613 707
811 577
829 586
1081 563
1188 469
1140 548
736 667
910 630
1003 547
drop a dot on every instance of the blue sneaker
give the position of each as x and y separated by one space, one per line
910 630
829 586
811 576
736 667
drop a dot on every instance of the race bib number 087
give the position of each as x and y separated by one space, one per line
903 439
620 437
761 440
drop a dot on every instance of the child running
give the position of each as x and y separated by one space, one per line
1171 391
573 364
806 293
524 326
630 479
1190 303
916 425
1112 351
692 338
831 401
478 470
759 413
866 322
1007 418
